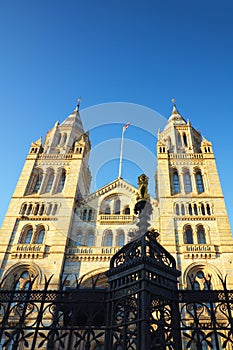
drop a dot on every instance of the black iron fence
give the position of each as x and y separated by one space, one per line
141 309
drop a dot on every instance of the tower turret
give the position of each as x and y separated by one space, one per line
37 225
194 224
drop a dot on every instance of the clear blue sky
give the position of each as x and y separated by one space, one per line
143 52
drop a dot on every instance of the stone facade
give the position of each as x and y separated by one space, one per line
55 226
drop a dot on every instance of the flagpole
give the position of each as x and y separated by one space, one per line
121 154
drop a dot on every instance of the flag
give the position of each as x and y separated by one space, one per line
126 126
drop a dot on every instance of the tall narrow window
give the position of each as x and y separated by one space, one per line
121 239
199 182
208 209
41 211
29 209
179 140
90 240
109 239
50 182
90 215
84 214
118 206
187 182
195 209
40 236
185 140
38 181
55 209
176 183
188 238
202 209
182 209
127 210
58 138
79 239
27 237
36 209
190 209
107 210
177 209
201 235
62 181
23 209
64 137
49 209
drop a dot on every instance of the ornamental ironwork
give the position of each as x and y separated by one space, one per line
141 308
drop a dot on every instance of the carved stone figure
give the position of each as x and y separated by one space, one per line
142 187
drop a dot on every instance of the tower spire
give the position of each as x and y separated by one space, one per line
174 110
78 105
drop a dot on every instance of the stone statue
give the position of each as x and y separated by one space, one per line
142 187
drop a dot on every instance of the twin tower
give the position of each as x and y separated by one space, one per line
55 226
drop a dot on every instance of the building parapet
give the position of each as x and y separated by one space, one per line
91 253
200 251
186 155
55 156
115 219
27 251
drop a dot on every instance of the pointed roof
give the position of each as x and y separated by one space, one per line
175 118
74 119
113 187
37 143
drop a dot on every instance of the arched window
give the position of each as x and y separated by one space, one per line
23 209
199 182
58 138
27 237
23 281
196 286
55 209
62 181
188 238
179 139
187 182
36 209
121 239
84 214
79 239
202 209
176 183
190 209
90 215
29 209
185 140
118 206
195 209
64 137
107 210
90 240
127 211
41 211
177 209
49 209
182 209
50 182
201 238
208 209
109 239
40 237
38 180
169 144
